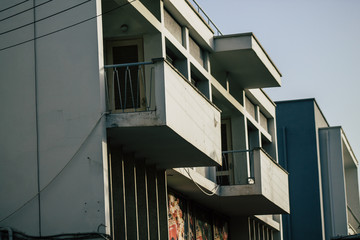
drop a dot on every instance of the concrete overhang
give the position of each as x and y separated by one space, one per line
245 61
236 200
268 195
158 145
136 17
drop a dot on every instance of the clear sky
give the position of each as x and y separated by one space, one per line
315 45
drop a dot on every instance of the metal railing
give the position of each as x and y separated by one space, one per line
129 86
352 219
244 162
205 17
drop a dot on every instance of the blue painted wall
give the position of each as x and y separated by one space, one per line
297 144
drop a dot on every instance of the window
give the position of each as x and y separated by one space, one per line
176 59
199 81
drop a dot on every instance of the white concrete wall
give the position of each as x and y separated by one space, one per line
173 26
320 122
191 115
333 182
196 51
189 18
274 180
18 152
59 76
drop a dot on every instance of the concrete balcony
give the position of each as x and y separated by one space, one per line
162 117
241 60
266 190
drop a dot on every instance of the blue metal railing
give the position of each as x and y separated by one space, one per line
206 18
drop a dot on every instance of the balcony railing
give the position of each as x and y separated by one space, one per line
246 177
238 166
204 16
242 161
253 176
129 86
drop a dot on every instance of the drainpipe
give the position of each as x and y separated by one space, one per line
10 232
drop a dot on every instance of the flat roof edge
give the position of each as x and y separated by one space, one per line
250 34
295 100
305 100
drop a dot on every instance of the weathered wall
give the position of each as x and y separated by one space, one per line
18 152
53 95
191 115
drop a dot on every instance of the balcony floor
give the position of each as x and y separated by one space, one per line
235 200
157 143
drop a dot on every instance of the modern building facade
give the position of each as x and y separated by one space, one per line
135 120
323 180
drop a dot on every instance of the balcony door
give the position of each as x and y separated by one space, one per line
125 84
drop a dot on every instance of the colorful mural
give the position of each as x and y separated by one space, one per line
192 222
221 231
177 218
203 225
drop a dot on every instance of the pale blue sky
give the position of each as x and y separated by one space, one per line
315 45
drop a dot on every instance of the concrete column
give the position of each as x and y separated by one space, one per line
142 197
257 113
163 203
117 194
239 142
152 202
254 139
185 43
251 229
130 196
272 149
185 38
262 231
